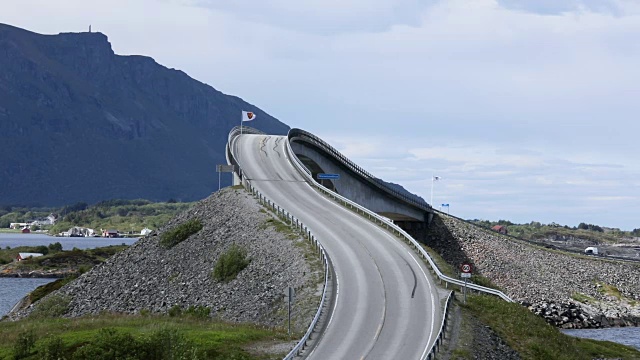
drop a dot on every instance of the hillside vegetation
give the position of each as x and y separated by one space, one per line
123 215
537 231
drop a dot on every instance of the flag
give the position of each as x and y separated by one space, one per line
248 116
436 178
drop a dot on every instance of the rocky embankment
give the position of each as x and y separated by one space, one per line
149 277
570 291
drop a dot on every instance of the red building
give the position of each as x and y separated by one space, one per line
501 229
25 231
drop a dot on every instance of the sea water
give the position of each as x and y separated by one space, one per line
624 335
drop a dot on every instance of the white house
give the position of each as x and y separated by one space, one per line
23 256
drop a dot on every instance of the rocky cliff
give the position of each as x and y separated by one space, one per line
80 123
149 277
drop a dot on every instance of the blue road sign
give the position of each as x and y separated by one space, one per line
445 204
323 176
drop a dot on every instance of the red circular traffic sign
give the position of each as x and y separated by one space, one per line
466 268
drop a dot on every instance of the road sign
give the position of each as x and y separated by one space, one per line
466 268
323 176
289 294
465 275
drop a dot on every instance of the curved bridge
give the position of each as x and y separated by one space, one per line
385 302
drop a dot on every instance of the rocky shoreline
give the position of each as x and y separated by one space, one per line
568 290
58 274
147 277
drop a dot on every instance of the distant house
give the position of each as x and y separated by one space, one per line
501 229
25 231
24 256
145 231
110 233
17 225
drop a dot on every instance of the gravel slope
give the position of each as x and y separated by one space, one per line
147 276
538 275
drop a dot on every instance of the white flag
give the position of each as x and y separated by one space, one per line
248 116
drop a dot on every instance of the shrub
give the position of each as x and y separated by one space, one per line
55 246
109 344
52 348
230 264
175 310
161 344
53 306
201 312
24 345
180 233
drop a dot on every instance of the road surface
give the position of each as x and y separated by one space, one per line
387 305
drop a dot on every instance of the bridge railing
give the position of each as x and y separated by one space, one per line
301 135
385 223
294 223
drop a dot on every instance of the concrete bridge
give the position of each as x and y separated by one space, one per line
408 211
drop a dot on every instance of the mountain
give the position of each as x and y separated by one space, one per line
80 123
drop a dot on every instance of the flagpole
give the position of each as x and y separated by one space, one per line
431 190
241 120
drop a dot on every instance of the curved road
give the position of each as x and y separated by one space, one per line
387 306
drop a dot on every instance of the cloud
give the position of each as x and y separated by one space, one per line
527 109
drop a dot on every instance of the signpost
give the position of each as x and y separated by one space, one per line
224 168
289 295
445 205
466 270
323 176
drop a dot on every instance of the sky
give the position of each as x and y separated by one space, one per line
527 110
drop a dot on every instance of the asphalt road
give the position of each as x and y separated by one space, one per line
387 305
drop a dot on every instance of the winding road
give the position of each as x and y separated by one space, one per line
386 303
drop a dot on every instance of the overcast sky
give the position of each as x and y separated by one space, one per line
527 109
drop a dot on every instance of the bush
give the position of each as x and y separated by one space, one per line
230 264
175 310
109 344
161 344
51 348
53 306
200 312
24 345
180 233
55 246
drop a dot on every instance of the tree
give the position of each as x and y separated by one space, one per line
55 246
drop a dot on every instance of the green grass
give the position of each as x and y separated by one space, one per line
280 227
11 231
209 339
585 299
180 233
534 339
608 290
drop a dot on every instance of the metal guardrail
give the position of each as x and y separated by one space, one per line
443 329
295 223
301 135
